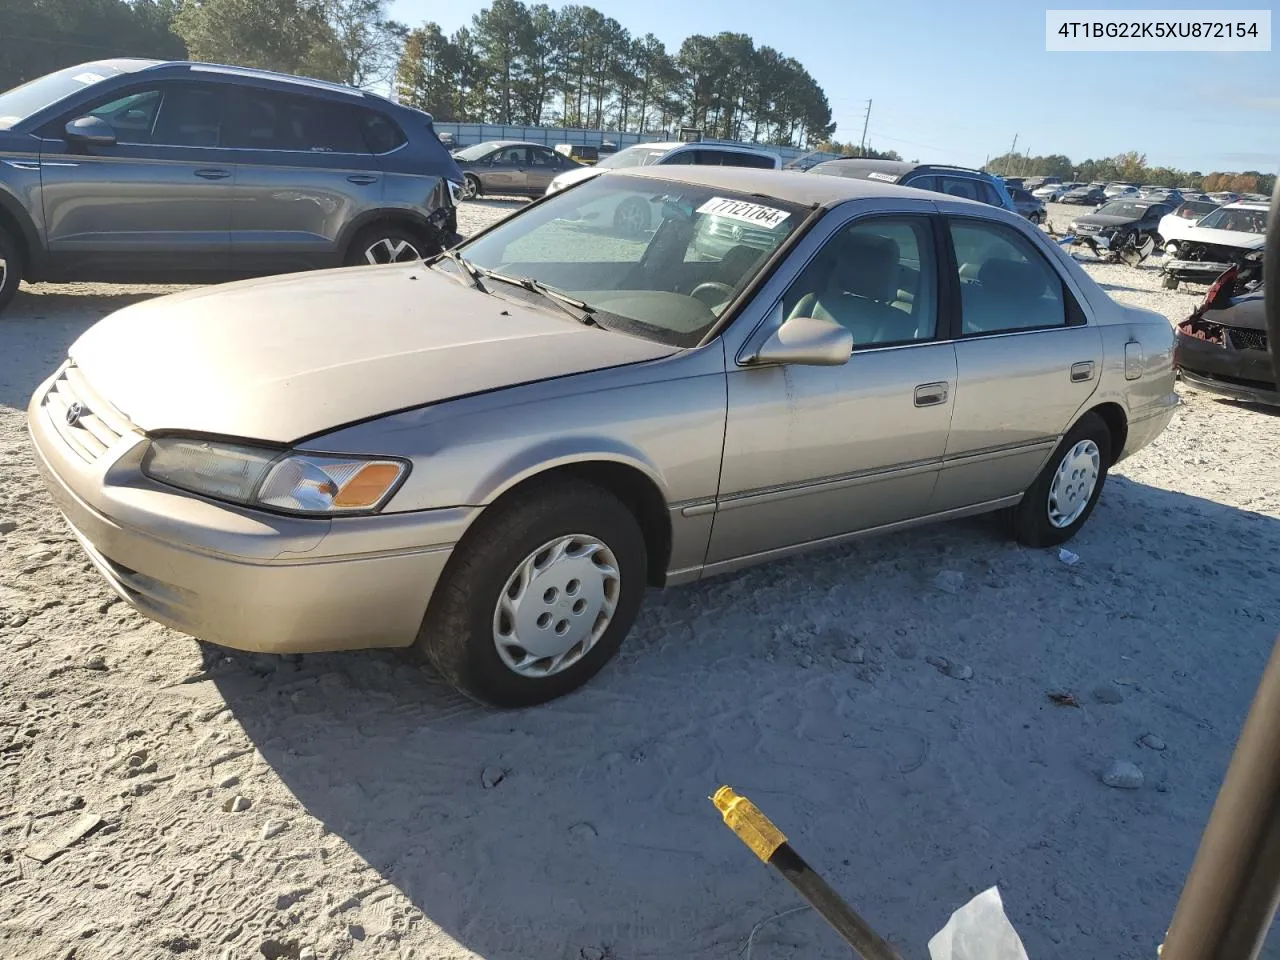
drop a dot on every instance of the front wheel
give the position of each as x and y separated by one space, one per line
538 596
470 187
10 267
1059 501
1169 283
387 243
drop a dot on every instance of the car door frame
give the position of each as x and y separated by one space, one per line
107 263
1037 452
748 331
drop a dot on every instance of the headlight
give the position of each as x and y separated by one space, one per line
455 192
1074 227
275 479
1254 257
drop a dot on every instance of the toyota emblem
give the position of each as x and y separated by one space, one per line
74 413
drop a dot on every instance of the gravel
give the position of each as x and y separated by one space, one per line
909 794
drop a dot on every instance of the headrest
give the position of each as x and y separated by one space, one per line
868 267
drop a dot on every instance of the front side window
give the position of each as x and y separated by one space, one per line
654 258
269 120
132 116
171 115
878 278
1239 219
1005 284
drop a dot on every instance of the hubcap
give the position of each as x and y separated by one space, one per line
469 188
391 250
4 271
1073 484
556 605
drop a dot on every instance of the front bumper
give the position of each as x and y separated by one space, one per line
1195 271
1226 370
244 578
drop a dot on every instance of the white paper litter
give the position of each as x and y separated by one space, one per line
978 931
1067 557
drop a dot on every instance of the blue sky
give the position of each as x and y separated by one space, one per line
955 82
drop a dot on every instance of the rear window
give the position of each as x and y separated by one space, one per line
381 133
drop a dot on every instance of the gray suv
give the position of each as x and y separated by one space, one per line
940 178
134 170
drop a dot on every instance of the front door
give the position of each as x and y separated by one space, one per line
507 171
816 452
153 204
305 172
1026 360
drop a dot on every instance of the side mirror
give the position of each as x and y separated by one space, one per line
91 130
808 341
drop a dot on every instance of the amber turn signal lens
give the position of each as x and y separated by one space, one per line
368 486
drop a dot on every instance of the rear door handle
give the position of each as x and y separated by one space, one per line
210 173
1082 372
362 178
932 394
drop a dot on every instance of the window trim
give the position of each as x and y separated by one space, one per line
1073 314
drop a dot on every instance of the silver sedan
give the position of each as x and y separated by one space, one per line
490 456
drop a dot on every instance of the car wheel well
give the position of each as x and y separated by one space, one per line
416 227
1112 415
9 224
637 492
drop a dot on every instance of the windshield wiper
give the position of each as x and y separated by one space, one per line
583 312
471 270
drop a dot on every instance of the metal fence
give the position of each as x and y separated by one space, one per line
465 134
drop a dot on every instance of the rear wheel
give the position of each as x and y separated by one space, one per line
1058 503
538 596
10 267
1169 283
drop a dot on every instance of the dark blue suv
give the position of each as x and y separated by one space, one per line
187 172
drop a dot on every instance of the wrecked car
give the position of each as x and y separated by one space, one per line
1222 347
1120 224
1176 225
1231 236
1087 194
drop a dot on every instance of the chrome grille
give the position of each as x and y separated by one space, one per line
88 425
1247 339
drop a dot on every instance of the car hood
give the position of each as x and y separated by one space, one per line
289 357
1226 238
1106 220
1245 312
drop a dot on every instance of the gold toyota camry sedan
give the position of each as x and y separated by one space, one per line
490 455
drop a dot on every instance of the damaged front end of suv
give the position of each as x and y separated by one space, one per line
1222 347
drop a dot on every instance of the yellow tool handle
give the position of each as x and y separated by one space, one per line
752 827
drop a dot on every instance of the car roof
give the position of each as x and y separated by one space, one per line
789 186
253 73
1247 205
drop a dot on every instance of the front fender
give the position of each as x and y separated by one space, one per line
538 458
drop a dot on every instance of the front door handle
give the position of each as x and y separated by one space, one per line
362 178
1082 372
932 394
210 173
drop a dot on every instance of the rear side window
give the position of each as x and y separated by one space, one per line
684 157
961 187
1005 284
754 160
267 120
381 133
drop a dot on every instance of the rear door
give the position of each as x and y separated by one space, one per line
506 171
305 171
544 166
154 203
1026 362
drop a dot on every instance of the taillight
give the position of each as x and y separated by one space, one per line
1227 281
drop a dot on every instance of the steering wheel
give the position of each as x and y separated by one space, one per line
723 290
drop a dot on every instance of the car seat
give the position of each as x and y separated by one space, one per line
856 283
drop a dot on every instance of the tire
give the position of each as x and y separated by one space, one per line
11 267
381 243
1088 442
461 630
632 217
1036 218
1169 283
471 187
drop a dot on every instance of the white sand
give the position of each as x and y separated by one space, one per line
909 789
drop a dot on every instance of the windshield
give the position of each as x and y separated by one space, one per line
1123 208
475 152
31 97
653 258
1194 209
638 156
1241 219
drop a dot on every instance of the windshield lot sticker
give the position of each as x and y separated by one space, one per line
886 177
87 78
753 213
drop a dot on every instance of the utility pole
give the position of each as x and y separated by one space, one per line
1011 154
862 149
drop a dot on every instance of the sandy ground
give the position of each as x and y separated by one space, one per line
353 806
